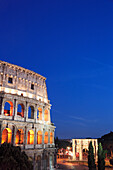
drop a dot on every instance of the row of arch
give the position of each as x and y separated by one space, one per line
7 137
8 111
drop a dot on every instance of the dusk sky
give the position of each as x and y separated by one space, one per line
70 42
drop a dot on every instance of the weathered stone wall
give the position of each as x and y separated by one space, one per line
19 86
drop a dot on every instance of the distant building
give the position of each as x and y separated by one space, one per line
81 145
25 114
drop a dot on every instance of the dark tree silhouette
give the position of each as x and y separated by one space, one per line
91 160
101 157
12 158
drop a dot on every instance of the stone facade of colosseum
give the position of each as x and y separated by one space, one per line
25 114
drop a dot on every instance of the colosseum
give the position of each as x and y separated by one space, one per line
25 114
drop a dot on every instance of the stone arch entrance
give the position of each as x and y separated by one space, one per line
79 145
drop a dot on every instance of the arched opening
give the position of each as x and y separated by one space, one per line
19 137
31 112
46 138
39 114
20 110
51 138
8 108
6 135
84 154
39 137
30 137
46 115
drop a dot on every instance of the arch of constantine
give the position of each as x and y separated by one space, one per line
25 114
78 145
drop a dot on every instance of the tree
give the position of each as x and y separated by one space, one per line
101 157
12 158
91 160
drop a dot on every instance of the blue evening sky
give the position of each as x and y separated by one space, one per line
71 43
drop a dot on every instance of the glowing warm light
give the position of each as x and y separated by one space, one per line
19 137
30 137
6 135
8 112
40 113
46 115
46 138
39 137
51 138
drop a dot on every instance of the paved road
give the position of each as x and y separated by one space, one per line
63 165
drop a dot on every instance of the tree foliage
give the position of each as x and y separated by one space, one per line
62 143
91 160
12 158
101 157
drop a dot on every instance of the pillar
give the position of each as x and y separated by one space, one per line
13 135
15 109
35 113
1 102
73 148
80 151
35 137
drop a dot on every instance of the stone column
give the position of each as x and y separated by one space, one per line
1 101
2 110
15 109
73 148
35 114
13 135
80 153
35 137
26 112
43 134
25 137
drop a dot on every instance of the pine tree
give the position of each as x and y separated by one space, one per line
91 160
101 157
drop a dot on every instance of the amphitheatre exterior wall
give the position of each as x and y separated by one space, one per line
29 127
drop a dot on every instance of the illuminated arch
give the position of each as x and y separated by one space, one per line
8 108
31 112
6 135
20 110
19 137
39 137
30 137
51 138
39 113
46 115
46 138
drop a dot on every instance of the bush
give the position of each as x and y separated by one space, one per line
12 158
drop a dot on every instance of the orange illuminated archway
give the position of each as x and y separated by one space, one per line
46 115
39 113
19 137
51 138
6 135
39 137
46 138
8 108
20 110
30 137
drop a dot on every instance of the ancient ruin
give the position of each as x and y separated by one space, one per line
78 145
25 114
